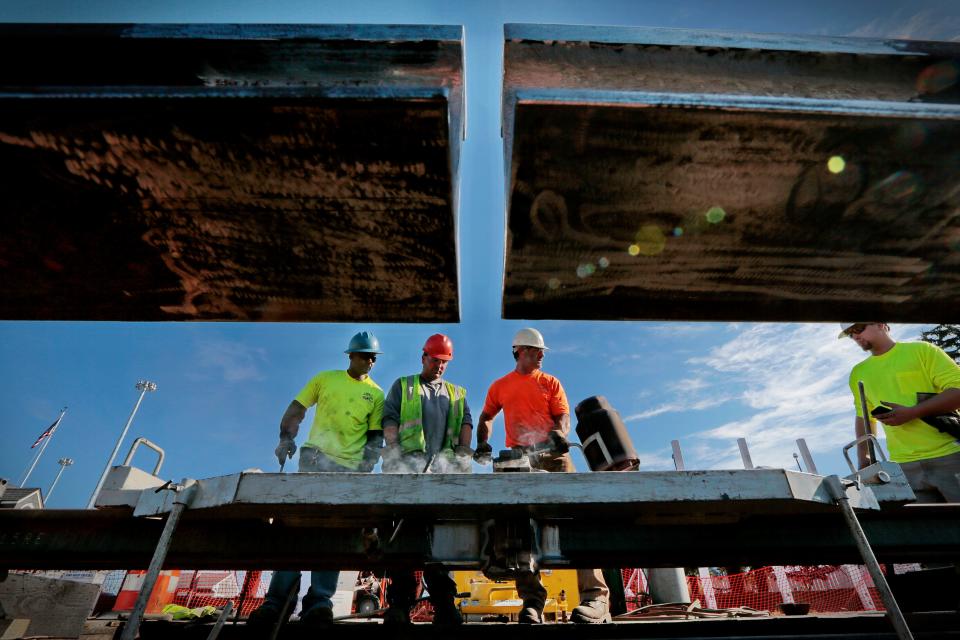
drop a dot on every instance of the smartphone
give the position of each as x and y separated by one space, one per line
879 411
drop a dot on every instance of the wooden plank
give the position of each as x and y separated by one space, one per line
54 607
230 172
657 174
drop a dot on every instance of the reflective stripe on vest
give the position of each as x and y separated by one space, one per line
411 415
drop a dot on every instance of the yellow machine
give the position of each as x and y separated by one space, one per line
498 600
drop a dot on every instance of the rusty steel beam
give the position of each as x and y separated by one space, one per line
661 174
230 172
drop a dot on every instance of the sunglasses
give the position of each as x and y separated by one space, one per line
372 357
857 329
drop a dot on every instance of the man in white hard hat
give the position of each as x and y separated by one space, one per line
536 411
913 388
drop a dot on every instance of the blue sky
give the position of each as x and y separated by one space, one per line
224 386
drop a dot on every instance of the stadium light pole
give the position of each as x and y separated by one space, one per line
64 463
143 386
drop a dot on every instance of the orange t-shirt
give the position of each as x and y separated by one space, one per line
529 402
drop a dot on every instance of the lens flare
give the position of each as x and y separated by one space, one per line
633 250
938 77
585 270
649 241
529 295
603 263
901 185
836 164
715 215
677 232
553 283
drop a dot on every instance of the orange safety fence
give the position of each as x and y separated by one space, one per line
215 588
826 588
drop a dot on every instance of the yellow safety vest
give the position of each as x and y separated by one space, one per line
411 415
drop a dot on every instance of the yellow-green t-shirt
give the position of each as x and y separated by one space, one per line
897 376
346 409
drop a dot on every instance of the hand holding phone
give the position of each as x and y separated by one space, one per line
881 410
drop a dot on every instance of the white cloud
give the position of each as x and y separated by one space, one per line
929 24
792 381
234 361
670 407
681 329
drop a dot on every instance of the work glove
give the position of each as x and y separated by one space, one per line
392 462
463 451
285 449
484 453
558 441
371 453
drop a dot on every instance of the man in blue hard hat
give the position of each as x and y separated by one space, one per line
345 437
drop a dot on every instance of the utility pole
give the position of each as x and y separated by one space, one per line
143 386
64 463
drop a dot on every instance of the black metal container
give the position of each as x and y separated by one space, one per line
606 443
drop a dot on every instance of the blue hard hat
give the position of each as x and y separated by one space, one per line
364 342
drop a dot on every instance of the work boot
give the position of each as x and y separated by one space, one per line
446 614
396 617
263 617
530 615
317 618
591 611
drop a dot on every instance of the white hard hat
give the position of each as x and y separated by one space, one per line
529 338
846 326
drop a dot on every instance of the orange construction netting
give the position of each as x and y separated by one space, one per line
826 588
215 588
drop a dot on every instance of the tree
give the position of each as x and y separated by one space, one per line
945 336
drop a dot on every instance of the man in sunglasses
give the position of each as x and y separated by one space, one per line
536 412
910 387
345 437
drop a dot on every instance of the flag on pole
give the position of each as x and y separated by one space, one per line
47 433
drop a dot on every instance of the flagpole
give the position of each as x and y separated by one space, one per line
142 386
46 441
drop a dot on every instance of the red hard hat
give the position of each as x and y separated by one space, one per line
439 346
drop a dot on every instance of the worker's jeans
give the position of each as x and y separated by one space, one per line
323 584
590 582
402 592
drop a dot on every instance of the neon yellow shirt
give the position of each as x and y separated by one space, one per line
346 409
897 376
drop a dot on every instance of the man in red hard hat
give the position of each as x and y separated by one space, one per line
426 425
536 411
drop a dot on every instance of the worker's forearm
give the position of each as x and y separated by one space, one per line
944 402
562 423
292 417
484 426
466 435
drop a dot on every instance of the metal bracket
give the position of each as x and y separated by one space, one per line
868 437
510 548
